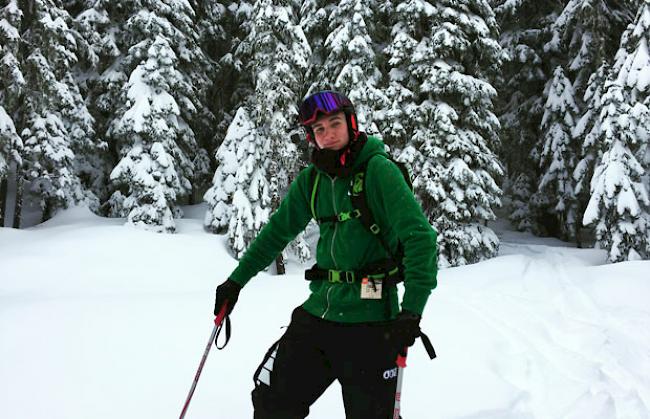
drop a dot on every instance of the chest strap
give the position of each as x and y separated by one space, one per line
389 276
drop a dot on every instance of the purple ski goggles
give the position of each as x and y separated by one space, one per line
326 102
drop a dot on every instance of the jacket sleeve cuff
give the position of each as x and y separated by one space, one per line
415 299
241 276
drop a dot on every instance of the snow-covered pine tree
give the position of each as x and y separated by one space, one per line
410 25
275 54
163 103
101 65
522 215
12 80
10 153
251 199
350 65
454 130
232 85
235 83
148 129
53 114
555 192
12 83
525 28
236 153
314 20
619 205
632 70
586 33
619 200
313 17
97 51
587 133
216 32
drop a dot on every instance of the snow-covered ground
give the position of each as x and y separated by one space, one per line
99 320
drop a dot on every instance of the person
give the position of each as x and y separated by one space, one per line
350 328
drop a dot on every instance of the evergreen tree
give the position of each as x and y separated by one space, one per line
236 84
411 24
558 156
619 205
619 201
350 66
451 61
314 21
525 29
153 182
104 72
54 116
163 102
239 199
12 83
523 213
275 54
97 51
586 32
152 131
12 80
10 149
587 131
216 31
236 153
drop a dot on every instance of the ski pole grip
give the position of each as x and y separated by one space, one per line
222 314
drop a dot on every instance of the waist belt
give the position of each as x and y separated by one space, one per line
388 275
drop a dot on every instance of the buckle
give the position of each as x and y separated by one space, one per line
338 277
334 276
349 277
344 216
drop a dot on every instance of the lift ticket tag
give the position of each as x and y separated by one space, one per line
370 290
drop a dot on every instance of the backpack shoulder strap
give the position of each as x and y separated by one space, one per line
359 200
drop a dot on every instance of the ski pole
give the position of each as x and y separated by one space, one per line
218 321
401 365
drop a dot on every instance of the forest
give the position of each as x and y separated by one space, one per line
535 111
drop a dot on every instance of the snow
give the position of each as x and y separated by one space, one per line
102 320
10 32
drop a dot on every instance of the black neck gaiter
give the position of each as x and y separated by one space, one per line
339 163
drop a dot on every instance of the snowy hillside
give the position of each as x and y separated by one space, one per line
99 320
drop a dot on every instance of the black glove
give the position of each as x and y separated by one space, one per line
228 291
406 328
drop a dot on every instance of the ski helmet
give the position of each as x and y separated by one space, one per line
327 102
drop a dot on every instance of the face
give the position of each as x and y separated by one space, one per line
331 131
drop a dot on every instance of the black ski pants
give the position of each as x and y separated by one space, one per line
312 354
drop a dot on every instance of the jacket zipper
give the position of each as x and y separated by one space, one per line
328 302
336 226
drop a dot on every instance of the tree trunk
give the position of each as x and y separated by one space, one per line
19 198
47 211
279 261
3 200
279 265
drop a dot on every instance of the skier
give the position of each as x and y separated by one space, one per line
350 328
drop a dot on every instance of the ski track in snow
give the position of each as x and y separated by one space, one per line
564 341
90 327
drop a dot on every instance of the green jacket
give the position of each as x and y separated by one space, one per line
348 246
